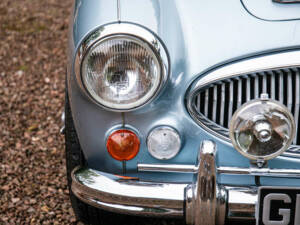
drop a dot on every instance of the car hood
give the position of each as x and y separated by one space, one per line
201 35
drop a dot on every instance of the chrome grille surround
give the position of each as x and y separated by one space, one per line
223 90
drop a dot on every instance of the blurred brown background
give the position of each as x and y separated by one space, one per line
33 187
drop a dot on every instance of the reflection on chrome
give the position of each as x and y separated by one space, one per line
204 197
115 193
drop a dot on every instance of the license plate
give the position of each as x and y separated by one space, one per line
278 206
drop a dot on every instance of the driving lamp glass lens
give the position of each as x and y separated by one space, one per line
121 72
262 129
163 143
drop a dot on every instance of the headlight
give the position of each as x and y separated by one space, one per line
121 66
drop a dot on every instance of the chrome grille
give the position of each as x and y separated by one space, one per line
216 102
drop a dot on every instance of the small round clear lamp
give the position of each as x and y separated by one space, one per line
163 142
262 129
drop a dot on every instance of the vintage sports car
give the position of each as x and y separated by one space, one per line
184 109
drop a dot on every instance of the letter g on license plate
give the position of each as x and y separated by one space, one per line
278 206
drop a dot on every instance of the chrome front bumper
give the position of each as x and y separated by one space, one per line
202 202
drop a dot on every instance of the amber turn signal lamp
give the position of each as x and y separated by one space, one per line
123 145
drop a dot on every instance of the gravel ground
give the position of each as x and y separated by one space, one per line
33 186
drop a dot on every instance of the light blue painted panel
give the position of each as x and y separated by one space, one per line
269 10
200 36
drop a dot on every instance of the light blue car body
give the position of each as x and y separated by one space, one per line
199 36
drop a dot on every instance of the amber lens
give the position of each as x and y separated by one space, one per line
123 145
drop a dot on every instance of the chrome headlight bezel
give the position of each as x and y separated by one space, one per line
122 30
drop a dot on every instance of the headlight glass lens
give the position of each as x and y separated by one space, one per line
121 72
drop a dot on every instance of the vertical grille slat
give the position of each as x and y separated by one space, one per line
281 91
215 95
222 107
264 82
220 100
297 106
248 89
256 95
239 102
273 90
230 108
198 101
289 90
206 102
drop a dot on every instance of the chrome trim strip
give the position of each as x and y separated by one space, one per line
168 168
274 61
122 29
253 171
264 172
247 66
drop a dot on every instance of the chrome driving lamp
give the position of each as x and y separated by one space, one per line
262 129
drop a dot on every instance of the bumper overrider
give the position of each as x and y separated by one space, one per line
202 202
